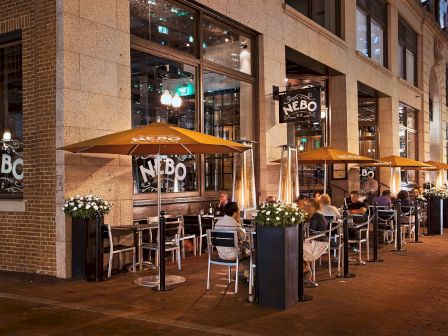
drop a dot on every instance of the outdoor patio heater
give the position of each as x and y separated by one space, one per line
243 188
288 185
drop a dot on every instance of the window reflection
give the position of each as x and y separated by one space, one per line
226 47
227 114
11 120
151 77
377 42
361 33
164 22
408 138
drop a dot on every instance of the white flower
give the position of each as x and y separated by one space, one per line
72 203
88 206
71 198
65 205
106 202
293 219
80 205
268 213
75 208
277 218
267 219
89 199
95 207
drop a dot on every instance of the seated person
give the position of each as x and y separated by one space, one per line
326 208
355 206
314 249
231 222
219 208
301 202
405 199
316 220
271 199
384 200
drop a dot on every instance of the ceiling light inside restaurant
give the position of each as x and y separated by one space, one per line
177 101
166 98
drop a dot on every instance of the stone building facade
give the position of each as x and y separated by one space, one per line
77 74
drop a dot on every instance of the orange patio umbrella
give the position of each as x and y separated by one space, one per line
326 155
156 138
159 139
396 163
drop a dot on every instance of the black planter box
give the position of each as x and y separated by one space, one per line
436 216
445 213
277 266
87 248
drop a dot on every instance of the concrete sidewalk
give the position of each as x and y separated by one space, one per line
405 295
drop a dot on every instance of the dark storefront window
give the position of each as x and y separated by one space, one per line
165 23
326 13
368 146
152 77
227 47
227 107
407 52
11 117
164 87
371 29
408 138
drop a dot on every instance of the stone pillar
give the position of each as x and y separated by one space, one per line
93 99
388 135
343 102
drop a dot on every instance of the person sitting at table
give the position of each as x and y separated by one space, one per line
317 196
271 199
326 208
355 206
316 220
313 249
384 200
415 194
405 199
301 202
231 222
219 208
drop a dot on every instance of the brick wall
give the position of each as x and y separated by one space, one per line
27 239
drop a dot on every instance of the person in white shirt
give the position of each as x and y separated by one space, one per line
327 209
231 222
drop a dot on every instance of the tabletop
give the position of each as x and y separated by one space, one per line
135 227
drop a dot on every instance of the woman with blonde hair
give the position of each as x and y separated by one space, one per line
326 208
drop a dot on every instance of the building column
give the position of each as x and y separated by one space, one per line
388 134
343 134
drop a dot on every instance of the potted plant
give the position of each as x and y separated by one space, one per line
437 201
87 213
277 254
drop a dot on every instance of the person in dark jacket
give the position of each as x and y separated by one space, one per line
317 221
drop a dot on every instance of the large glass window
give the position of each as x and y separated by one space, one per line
326 13
407 52
164 88
371 26
11 117
164 22
226 46
227 114
153 78
408 138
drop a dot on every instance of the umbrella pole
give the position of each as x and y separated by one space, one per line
161 230
325 177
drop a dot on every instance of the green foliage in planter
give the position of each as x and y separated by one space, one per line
279 214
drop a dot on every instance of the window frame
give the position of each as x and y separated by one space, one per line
404 127
404 43
309 15
202 65
371 16
6 40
